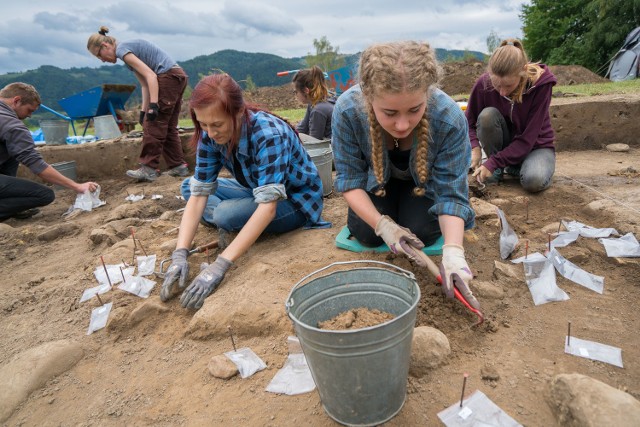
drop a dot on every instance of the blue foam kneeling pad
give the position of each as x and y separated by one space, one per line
344 240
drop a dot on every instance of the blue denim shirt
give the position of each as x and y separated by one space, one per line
449 153
273 161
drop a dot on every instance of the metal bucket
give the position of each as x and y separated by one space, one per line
55 131
106 127
67 169
323 159
361 374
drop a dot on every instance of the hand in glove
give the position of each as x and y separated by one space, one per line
400 239
476 157
141 118
178 268
152 113
455 271
205 283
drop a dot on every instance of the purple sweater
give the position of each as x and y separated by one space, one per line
529 121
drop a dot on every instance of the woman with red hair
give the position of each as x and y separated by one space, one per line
275 187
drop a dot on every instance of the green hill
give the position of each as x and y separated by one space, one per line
54 83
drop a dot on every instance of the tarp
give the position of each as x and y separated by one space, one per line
624 65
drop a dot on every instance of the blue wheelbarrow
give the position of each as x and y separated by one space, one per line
97 101
340 79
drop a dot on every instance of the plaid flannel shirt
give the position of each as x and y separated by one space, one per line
273 161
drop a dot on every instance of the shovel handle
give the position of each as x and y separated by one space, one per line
203 248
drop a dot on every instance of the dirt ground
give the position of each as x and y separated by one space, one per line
149 366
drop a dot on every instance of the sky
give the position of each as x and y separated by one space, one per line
45 32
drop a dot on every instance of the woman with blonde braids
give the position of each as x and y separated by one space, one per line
402 152
508 114
310 87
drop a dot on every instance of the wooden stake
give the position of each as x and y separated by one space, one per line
464 384
569 335
233 343
99 299
526 248
123 279
142 247
106 272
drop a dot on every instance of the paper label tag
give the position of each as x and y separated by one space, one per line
464 413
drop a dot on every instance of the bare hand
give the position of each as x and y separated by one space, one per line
87 186
482 173
476 157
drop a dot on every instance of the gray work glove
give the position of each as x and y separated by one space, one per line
179 268
205 283
400 239
455 271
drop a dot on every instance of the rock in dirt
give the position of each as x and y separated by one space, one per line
489 373
57 231
484 210
619 148
169 245
100 235
509 272
487 290
147 309
6 229
31 369
429 349
579 400
597 207
221 367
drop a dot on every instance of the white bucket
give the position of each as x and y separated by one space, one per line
55 131
106 127
323 159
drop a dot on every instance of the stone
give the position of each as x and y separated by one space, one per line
579 400
489 373
6 229
222 367
32 369
150 307
57 231
100 235
618 148
484 210
429 349
509 271
487 290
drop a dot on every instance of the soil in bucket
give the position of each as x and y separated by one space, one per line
374 360
355 319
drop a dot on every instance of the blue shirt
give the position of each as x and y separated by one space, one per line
448 161
273 162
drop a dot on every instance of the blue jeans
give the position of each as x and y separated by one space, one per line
233 204
536 171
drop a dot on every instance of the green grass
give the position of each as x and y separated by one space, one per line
292 115
590 89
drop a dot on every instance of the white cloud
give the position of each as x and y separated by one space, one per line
41 32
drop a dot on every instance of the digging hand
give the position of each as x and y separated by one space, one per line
455 271
476 157
400 239
205 283
141 118
179 268
152 113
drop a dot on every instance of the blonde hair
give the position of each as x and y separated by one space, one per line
96 39
510 59
312 79
396 67
27 93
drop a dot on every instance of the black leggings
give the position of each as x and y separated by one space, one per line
404 208
17 195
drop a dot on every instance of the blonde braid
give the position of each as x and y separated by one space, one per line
422 153
377 153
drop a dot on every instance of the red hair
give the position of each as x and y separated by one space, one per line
222 88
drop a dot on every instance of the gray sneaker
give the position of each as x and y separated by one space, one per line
145 173
180 170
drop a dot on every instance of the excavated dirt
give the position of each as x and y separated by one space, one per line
149 366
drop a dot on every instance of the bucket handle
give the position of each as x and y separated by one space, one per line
407 273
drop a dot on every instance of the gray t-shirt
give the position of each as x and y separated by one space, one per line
16 141
317 119
153 57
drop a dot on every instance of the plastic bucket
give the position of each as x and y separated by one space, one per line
361 374
323 159
67 169
106 127
55 132
317 143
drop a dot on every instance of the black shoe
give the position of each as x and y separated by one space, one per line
26 214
